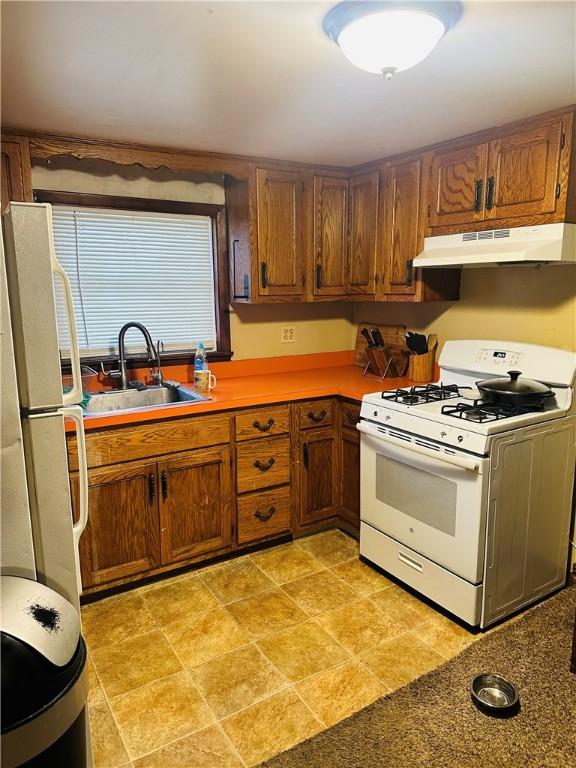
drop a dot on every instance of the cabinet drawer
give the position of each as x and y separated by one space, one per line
263 422
349 415
262 464
316 413
263 514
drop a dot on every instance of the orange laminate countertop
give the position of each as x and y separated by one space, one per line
251 389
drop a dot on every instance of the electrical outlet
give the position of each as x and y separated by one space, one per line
288 334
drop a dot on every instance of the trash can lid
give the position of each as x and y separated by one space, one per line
40 617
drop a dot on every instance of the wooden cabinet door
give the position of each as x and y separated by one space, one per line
16 171
195 503
457 186
350 477
402 236
363 225
122 537
330 235
523 172
318 476
279 230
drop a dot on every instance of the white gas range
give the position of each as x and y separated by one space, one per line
469 502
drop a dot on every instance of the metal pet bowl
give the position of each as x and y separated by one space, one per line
494 695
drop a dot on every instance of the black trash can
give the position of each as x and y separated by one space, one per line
44 681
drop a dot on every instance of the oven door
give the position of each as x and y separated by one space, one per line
431 501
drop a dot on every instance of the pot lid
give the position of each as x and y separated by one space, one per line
515 385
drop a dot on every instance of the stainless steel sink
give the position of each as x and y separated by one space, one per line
125 399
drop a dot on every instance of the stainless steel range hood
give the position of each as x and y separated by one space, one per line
546 243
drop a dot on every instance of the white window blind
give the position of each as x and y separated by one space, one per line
153 268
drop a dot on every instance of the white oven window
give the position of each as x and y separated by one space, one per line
417 493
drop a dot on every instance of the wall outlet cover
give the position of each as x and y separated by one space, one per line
288 334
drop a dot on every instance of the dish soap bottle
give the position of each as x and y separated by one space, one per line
200 364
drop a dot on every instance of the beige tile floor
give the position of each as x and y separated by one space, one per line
230 664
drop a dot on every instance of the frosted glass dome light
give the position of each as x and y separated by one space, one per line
388 37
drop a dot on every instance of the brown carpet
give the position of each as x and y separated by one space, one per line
433 723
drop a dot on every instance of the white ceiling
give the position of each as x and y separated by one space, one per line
262 79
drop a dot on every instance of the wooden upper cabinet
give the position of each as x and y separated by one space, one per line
402 231
195 492
363 225
330 235
523 169
122 535
279 228
457 185
16 173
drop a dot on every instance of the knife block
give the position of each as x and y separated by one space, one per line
380 363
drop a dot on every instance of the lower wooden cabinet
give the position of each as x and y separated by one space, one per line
195 492
318 474
146 515
167 510
350 464
122 537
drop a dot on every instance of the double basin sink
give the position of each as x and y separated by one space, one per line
129 399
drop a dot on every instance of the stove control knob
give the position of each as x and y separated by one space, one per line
375 413
443 434
460 438
387 418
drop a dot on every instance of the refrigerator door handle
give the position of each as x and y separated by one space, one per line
76 413
76 394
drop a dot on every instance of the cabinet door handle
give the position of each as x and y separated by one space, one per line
264 516
352 417
263 427
151 487
264 467
478 194
490 194
164 484
305 455
264 274
317 416
318 276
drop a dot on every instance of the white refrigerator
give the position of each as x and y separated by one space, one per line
38 537
39 540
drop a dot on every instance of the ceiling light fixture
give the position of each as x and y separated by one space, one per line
388 37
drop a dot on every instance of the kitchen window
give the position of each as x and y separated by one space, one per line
152 261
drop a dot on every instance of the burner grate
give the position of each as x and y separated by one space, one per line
481 412
422 393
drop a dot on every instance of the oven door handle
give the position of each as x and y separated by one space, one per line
463 462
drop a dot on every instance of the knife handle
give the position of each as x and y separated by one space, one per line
377 336
366 333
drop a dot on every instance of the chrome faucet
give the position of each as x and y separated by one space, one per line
153 354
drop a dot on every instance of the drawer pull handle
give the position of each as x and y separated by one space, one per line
317 416
264 467
410 561
264 516
352 417
263 427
